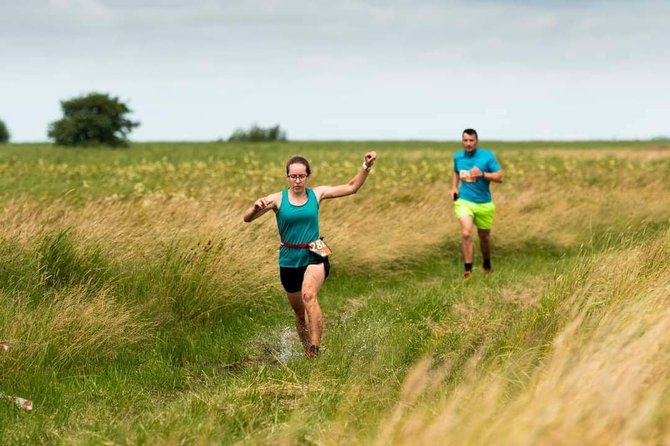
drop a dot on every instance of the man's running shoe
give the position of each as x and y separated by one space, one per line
467 274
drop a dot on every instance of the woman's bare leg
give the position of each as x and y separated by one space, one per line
315 275
295 299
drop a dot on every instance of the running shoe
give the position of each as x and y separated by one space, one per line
467 274
312 351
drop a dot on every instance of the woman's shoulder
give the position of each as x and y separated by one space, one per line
316 192
276 195
276 198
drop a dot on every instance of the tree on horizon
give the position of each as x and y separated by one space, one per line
95 119
4 133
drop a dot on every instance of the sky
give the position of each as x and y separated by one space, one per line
343 70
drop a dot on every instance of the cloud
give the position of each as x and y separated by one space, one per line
326 67
81 10
372 35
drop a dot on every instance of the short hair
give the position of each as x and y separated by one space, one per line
297 159
471 132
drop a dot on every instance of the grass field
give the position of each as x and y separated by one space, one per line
140 309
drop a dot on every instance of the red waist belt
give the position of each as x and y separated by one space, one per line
294 246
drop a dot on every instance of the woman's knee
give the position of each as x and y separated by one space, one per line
308 295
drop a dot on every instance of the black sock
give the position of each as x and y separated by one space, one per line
468 266
487 263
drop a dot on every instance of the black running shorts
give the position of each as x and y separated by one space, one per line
291 278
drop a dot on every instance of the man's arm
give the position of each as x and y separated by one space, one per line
495 177
454 185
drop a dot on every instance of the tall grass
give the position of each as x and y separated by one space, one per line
69 330
141 309
603 381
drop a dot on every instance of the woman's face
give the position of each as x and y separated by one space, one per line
297 177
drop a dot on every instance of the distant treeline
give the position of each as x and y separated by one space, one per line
258 134
98 119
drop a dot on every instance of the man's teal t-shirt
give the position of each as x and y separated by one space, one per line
297 225
477 191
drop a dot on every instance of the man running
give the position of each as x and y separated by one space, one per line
474 168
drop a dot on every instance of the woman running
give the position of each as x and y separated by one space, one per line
302 271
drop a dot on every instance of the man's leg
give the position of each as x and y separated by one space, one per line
295 299
485 245
315 275
484 221
468 247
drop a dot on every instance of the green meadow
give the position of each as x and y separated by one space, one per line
140 309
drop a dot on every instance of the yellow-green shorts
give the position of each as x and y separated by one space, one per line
481 213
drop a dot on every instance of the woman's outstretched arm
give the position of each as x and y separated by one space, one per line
353 185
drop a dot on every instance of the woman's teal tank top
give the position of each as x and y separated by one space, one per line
297 224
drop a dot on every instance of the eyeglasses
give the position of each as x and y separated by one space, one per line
298 177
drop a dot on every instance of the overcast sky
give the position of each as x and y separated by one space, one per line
196 70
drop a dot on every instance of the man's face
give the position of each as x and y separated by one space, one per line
469 142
